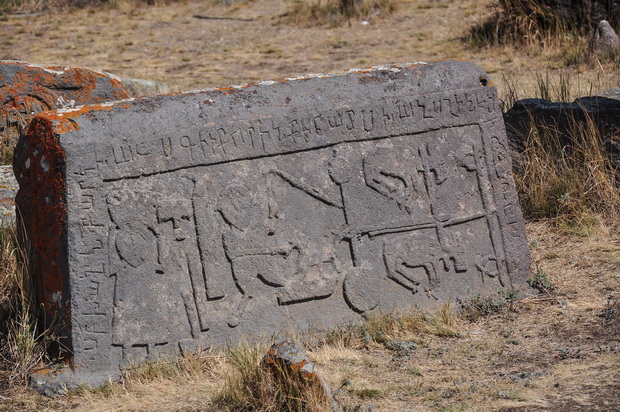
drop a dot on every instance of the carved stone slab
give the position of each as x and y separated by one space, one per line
163 225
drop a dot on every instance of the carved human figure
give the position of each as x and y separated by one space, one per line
261 252
151 281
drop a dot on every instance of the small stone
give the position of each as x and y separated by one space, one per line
145 87
287 355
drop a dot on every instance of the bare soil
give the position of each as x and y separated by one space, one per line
558 351
250 41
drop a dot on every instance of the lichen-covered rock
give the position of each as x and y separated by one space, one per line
288 356
27 89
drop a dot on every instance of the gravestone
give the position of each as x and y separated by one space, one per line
165 225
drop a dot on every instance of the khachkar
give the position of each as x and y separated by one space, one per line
162 225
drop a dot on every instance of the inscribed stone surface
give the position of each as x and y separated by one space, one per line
177 222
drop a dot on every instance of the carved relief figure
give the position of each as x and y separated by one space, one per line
416 243
264 250
153 303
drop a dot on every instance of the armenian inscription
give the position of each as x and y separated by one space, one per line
192 219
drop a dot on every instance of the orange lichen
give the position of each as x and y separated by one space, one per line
276 364
40 169
42 209
56 86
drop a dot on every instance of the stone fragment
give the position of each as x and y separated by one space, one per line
27 89
8 189
194 219
286 360
145 87
605 39
286 355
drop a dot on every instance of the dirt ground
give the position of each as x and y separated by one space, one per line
249 41
558 351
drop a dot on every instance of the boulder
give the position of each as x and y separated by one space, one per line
605 39
200 218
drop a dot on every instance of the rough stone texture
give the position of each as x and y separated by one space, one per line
27 89
605 39
162 225
145 87
560 118
8 189
287 360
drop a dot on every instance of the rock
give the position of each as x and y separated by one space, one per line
561 118
144 87
209 215
605 39
287 360
613 93
8 190
27 89
286 355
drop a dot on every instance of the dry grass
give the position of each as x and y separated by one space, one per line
22 346
522 22
568 178
251 386
35 6
535 22
13 122
334 12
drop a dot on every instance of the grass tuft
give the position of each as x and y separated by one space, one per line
540 281
22 347
540 22
252 386
479 306
568 178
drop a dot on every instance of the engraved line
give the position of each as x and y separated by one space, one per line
272 155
